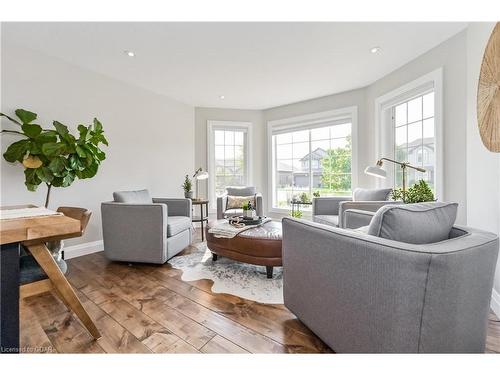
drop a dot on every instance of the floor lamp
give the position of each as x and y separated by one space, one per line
199 175
377 170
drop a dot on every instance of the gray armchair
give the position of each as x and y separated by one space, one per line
222 212
138 228
363 293
331 210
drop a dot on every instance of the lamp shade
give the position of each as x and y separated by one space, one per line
376 171
202 176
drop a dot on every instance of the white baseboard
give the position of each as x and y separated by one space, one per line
83 249
495 302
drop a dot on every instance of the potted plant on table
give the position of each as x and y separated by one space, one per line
54 157
187 186
248 209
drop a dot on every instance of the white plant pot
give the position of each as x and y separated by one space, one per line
248 213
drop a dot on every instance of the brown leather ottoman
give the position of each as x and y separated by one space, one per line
260 246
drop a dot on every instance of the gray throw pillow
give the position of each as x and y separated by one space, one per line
416 223
137 196
371 194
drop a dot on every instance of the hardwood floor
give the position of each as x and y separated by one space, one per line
149 309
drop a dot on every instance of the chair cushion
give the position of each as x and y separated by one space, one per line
332 220
242 191
417 223
371 194
136 196
236 201
177 224
30 271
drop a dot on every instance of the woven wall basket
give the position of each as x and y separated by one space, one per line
488 94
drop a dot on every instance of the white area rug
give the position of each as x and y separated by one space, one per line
231 277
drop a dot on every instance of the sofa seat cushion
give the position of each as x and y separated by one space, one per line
332 220
177 224
136 196
360 194
417 223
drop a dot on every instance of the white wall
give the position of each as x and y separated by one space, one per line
151 137
483 166
259 164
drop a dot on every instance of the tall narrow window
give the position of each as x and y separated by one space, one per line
414 138
228 155
315 158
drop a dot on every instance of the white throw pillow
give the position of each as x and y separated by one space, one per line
237 202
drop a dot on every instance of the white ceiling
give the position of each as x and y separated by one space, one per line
254 65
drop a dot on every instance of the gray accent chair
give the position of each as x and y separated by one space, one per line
362 293
331 210
138 228
246 191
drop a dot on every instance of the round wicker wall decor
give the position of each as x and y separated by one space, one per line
488 93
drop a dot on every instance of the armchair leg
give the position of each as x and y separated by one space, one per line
44 258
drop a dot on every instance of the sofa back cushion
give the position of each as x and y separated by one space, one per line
244 191
371 194
136 196
417 223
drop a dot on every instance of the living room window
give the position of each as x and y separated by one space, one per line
311 154
229 159
409 129
414 136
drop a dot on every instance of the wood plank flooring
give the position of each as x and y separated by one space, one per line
148 309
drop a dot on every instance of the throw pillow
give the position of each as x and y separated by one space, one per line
237 201
417 223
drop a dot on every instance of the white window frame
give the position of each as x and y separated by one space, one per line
384 132
212 126
349 114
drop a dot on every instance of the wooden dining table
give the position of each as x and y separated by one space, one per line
13 233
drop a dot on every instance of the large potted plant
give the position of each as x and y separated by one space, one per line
419 192
54 157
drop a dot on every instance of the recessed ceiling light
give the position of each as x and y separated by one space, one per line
222 97
129 53
375 49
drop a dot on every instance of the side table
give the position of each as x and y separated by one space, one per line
203 216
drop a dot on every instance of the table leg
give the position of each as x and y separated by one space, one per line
9 298
202 231
269 272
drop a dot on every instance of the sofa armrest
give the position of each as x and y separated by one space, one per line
176 206
259 206
360 205
354 219
135 232
221 206
327 205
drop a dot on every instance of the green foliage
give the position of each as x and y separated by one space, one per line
247 206
296 214
420 192
304 198
336 166
54 156
187 185
316 194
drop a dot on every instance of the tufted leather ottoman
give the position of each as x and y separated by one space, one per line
260 246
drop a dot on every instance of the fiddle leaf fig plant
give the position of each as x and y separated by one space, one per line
54 157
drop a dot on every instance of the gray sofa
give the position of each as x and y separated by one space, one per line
138 228
334 210
367 293
223 212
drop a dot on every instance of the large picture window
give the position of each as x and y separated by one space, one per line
309 158
229 162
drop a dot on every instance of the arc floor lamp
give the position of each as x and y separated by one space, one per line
377 170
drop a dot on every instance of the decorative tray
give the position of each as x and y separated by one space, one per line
246 220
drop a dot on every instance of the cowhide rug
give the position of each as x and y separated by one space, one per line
231 277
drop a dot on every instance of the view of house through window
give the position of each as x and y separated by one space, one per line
230 159
311 160
414 136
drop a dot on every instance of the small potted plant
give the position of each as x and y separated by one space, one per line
316 194
247 209
304 198
419 192
187 186
296 214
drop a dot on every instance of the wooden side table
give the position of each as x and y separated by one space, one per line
203 217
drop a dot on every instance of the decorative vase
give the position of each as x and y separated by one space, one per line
188 194
248 213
